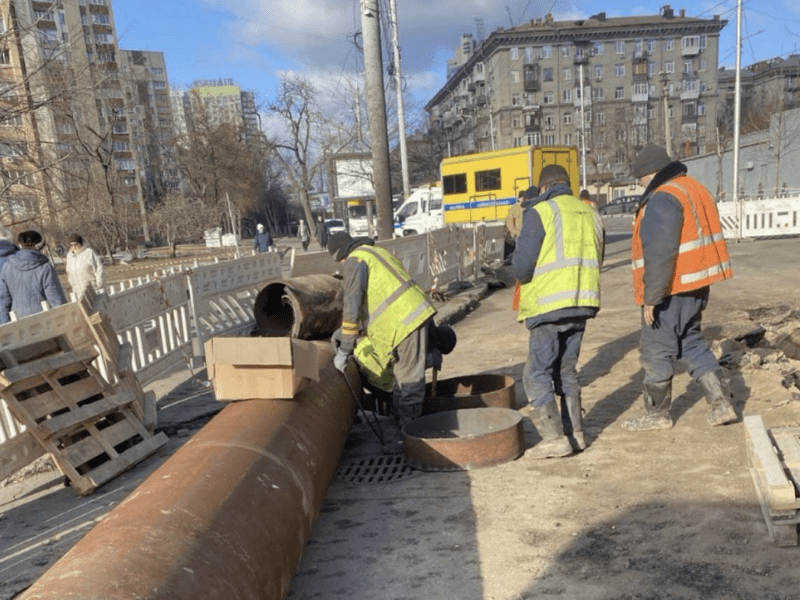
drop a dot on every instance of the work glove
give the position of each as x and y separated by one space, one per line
434 359
340 360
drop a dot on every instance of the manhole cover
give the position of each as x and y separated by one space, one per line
374 469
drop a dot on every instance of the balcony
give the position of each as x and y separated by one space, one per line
532 85
690 50
645 97
690 95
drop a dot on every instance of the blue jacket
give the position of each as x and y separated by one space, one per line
26 279
526 255
262 241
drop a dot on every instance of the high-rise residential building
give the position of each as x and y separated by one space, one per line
605 85
66 113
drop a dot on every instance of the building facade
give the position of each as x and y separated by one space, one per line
605 85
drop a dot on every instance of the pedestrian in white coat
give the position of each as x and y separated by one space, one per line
84 267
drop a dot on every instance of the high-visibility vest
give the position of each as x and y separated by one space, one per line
393 305
567 271
702 255
378 368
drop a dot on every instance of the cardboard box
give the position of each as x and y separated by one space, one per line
243 368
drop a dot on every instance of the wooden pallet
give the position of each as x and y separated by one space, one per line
89 426
774 458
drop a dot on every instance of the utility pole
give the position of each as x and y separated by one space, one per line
665 95
583 133
401 117
737 115
376 113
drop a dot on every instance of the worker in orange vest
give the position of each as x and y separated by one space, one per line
678 251
587 197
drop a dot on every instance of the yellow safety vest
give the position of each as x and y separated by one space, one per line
567 271
394 305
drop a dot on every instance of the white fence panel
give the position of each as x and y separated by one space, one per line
444 256
760 218
412 252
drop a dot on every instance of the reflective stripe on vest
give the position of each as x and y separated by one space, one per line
560 280
702 254
395 305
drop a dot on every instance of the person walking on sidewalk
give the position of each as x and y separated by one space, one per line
27 279
322 233
303 234
557 261
262 242
84 267
383 302
678 251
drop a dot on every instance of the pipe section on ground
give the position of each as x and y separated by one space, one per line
228 515
306 308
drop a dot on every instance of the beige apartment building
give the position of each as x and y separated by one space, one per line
604 85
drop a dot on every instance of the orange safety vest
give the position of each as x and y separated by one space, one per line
702 256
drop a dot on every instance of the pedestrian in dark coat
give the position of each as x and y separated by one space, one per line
27 279
262 240
322 233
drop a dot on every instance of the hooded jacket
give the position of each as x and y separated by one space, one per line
85 268
6 250
27 278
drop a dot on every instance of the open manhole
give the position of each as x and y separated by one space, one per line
383 468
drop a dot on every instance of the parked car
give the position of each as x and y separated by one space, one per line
335 226
620 206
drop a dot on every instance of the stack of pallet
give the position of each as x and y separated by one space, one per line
67 379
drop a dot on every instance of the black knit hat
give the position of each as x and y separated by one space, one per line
75 238
338 244
29 239
585 194
443 337
553 174
650 159
531 193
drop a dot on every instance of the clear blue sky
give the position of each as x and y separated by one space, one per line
251 41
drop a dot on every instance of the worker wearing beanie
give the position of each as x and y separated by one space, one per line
382 302
678 251
557 261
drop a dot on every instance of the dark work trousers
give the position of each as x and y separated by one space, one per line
675 335
408 391
553 351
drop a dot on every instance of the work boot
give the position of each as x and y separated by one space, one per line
719 397
572 412
554 443
657 400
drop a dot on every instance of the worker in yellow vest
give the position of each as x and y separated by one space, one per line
557 261
382 302
678 251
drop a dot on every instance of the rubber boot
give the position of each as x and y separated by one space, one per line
574 413
404 414
554 443
719 397
657 400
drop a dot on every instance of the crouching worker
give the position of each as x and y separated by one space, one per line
557 261
383 302
377 371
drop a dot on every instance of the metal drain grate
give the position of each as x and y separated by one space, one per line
375 469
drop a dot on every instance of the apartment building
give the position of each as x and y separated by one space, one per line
605 85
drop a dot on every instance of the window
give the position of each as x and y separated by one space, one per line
669 66
598 94
689 109
156 70
619 93
5 57
599 117
515 122
514 53
454 184
547 52
568 139
598 72
11 121
651 69
690 85
565 51
669 44
687 66
534 139
651 113
514 76
568 74
691 41
547 74
703 41
640 89
619 70
528 56
650 45
568 118
597 48
703 64
515 99
701 109
567 95
550 140
549 98
638 46
125 165
487 180
121 147
620 47
517 141
640 68
621 135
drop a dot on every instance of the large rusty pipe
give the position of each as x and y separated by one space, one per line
307 307
228 515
